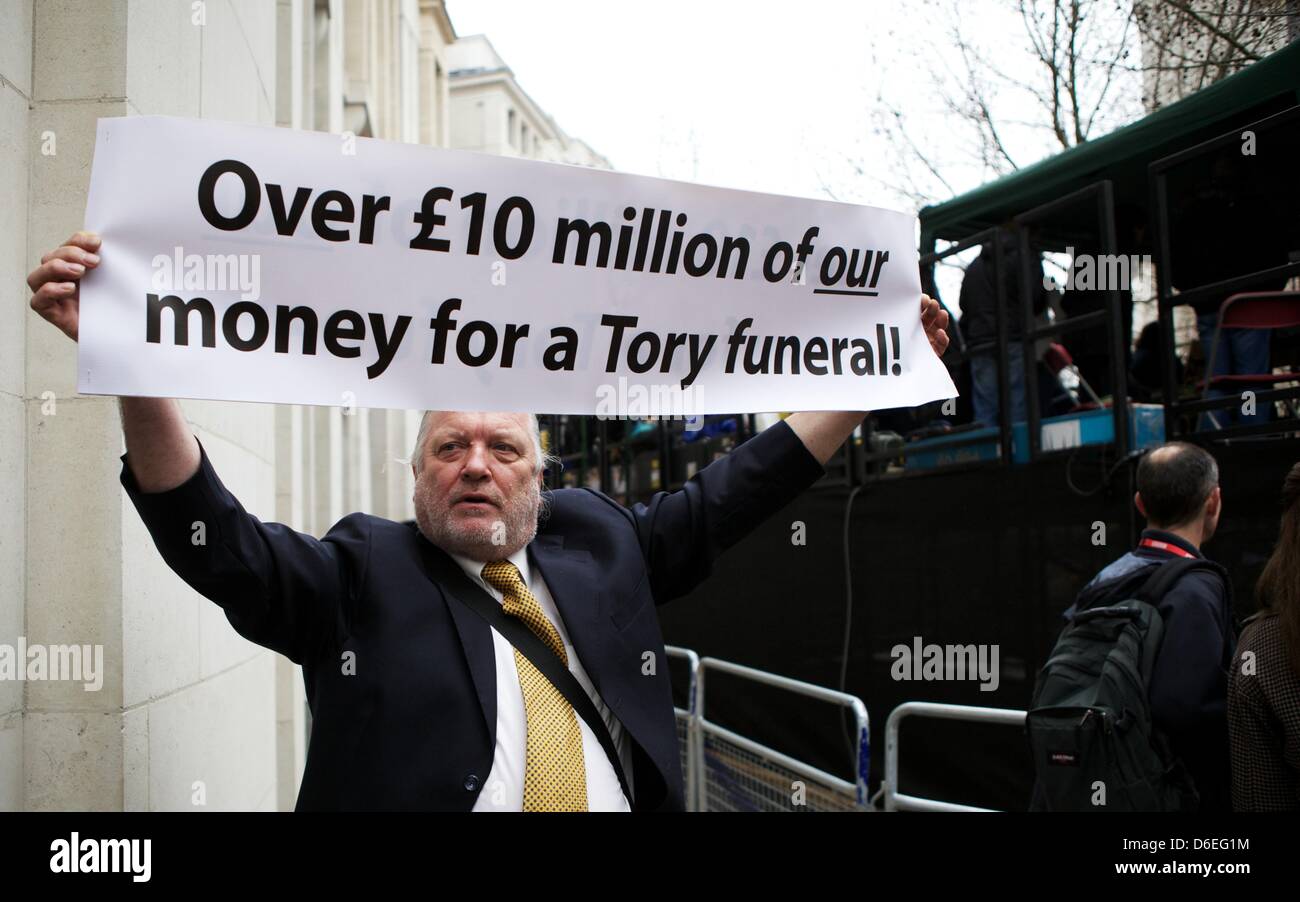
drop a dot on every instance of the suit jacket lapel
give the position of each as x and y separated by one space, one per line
567 572
606 654
475 635
480 652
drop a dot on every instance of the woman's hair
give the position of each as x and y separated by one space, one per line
1278 588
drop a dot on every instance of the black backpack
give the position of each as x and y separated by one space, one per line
1094 745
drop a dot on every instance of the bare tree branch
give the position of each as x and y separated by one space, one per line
1212 28
1083 66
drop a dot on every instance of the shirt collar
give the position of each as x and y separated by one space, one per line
475 568
1161 536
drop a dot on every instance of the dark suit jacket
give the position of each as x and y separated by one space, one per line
414 727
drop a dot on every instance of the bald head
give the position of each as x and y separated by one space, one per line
1175 483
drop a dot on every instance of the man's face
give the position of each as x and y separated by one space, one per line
477 492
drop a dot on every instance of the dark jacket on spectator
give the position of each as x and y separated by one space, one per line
1189 683
978 299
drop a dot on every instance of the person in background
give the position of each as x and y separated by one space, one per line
1264 682
1178 493
1090 346
1146 379
979 302
1214 237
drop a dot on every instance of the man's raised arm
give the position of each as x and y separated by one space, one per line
285 590
160 448
162 451
822 432
682 533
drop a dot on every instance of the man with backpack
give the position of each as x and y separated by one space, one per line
1130 710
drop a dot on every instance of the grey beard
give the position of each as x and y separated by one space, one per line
519 518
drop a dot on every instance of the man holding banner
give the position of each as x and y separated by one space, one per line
501 652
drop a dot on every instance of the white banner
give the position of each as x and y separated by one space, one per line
264 264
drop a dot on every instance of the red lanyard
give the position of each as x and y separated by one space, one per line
1165 546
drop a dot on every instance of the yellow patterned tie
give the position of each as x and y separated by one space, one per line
555 775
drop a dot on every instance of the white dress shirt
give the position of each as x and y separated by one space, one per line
504 788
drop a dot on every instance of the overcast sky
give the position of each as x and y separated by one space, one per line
756 95
771 96
746 95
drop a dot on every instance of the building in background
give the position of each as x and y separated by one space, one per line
491 113
1187 46
189 714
